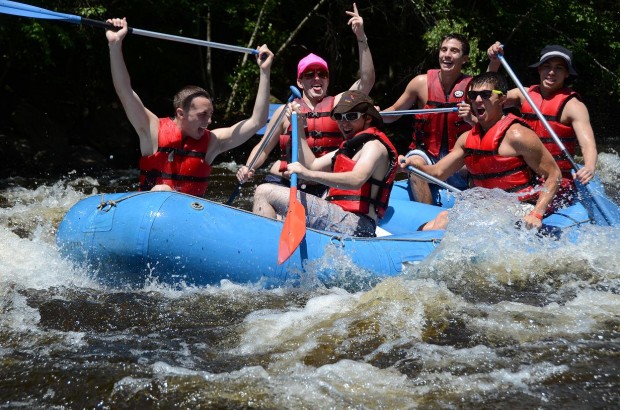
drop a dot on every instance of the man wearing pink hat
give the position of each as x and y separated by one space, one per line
323 135
360 174
563 109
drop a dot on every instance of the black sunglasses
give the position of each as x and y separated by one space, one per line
484 94
309 75
347 116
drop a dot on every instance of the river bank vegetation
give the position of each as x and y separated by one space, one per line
58 109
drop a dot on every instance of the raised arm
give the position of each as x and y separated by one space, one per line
514 97
235 135
366 66
144 121
492 52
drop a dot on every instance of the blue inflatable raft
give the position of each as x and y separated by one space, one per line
181 239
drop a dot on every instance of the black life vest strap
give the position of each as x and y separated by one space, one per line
481 177
312 114
533 116
355 198
375 202
547 140
158 174
518 188
318 150
480 152
441 104
380 184
320 134
182 152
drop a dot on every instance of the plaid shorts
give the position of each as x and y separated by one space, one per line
326 216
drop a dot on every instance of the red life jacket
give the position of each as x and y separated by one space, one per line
179 162
490 170
429 130
551 108
359 200
323 134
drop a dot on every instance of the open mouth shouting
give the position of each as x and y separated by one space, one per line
479 111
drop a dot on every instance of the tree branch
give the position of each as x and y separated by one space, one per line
244 61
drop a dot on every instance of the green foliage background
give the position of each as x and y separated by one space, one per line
56 89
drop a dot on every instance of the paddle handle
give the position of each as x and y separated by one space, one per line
294 147
162 36
26 10
294 94
272 131
420 111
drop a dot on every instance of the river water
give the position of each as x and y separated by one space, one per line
495 318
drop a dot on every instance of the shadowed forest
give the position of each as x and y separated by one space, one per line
58 109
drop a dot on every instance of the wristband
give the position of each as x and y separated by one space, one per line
536 215
364 40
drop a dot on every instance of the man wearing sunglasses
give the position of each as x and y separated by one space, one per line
434 135
500 151
563 109
360 174
322 131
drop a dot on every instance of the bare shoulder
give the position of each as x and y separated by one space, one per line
216 137
514 97
419 82
519 134
218 134
414 90
460 142
376 146
518 130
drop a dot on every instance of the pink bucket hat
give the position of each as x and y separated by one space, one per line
307 61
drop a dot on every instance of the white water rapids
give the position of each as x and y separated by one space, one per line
497 317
